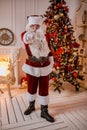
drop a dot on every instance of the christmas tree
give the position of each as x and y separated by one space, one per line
63 45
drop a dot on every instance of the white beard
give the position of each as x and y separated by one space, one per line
37 43
39 49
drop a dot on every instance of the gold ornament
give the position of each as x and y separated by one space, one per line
54 70
25 84
56 17
57 68
71 59
65 27
61 14
74 53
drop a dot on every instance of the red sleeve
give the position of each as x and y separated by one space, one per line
25 44
22 34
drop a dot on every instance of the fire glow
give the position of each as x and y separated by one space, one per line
4 62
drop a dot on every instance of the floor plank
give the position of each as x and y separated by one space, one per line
17 109
73 119
4 115
22 106
68 108
10 111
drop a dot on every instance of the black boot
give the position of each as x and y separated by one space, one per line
30 109
45 114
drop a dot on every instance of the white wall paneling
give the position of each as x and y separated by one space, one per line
13 15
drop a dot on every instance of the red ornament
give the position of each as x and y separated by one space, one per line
60 51
47 22
60 5
68 51
56 64
74 45
53 78
23 79
66 9
75 74
70 68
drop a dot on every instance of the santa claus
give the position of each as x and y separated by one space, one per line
38 66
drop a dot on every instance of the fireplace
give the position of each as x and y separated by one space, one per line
4 62
9 58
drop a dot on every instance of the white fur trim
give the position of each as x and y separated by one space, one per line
25 38
30 97
35 20
37 71
43 100
28 38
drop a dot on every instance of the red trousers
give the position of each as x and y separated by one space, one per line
38 83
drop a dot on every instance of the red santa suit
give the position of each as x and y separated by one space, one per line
39 63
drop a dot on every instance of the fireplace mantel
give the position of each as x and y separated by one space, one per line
12 52
9 51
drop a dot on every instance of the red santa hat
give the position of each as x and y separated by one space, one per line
34 19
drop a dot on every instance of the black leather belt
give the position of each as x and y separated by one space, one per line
35 59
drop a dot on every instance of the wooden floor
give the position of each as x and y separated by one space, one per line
68 108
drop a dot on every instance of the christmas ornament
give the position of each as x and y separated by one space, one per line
61 14
56 17
24 83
